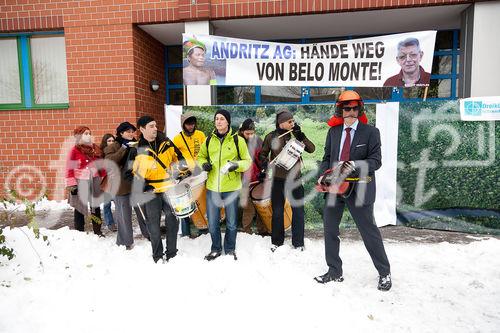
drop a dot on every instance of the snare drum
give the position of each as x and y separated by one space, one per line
290 154
261 199
181 200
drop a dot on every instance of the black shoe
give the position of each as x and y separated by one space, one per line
159 259
212 255
232 253
274 247
202 232
299 248
169 256
384 282
325 278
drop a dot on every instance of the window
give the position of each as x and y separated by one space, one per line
33 71
9 72
173 73
443 85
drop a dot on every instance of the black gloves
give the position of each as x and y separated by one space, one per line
148 188
128 175
233 166
207 166
262 176
298 132
73 190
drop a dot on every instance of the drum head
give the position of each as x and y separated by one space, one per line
261 191
177 190
194 181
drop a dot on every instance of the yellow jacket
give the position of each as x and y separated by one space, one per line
154 163
190 152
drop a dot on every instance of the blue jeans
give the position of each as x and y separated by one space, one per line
108 215
215 200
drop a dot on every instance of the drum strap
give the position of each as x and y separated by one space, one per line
168 144
187 146
151 181
157 159
235 137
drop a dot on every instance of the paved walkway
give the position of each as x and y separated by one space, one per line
61 218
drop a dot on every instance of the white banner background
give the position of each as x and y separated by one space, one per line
386 176
173 120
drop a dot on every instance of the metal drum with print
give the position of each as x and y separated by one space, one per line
290 154
181 200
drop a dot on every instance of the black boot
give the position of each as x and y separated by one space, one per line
325 278
212 255
384 282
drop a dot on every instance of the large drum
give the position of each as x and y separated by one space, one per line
290 154
197 184
199 190
261 199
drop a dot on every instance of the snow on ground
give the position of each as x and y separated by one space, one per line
88 284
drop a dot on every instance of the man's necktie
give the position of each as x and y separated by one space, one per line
344 155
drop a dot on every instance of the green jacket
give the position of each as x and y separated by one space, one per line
220 153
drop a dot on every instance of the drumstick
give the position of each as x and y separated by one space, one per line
285 133
142 213
166 187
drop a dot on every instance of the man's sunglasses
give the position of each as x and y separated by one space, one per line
350 108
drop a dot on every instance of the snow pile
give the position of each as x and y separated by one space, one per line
89 284
43 205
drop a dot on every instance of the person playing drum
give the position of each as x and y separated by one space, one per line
250 178
274 143
189 142
153 167
224 155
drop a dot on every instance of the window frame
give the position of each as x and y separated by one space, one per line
27 88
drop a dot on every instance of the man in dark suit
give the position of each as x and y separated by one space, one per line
356 147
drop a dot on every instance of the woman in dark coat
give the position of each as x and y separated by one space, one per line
108 139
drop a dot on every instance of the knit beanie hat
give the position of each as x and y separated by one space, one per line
226 115
125 126
283 116
144 120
